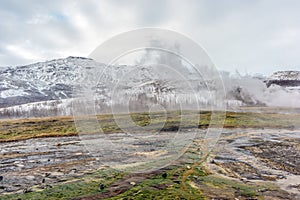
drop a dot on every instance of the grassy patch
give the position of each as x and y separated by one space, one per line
222 183
180 181
88 185
168 184
167 187
12 130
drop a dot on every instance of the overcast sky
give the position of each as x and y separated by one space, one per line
247 35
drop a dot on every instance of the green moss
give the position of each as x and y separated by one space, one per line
223 183
158 187
11 130
176 184
88 185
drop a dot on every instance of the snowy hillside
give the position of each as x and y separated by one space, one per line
46 88
285 78
50 80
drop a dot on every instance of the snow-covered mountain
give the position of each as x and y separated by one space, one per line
48 88
45 88
50 80
289 79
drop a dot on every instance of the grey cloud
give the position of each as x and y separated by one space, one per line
253 36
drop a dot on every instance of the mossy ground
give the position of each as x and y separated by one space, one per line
178 182
175 182
88 185
21 129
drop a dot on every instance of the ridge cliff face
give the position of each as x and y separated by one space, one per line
284 78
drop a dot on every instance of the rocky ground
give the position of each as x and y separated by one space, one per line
256 157
42 162
260 155
248 156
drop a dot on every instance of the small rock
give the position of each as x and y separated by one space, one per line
132 183
244 179
56 174
48 186
102 186
281 176
27 190
262 190
164 175
47 174
30 177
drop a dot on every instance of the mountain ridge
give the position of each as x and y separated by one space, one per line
49 86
